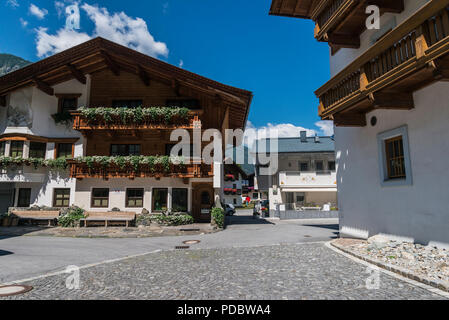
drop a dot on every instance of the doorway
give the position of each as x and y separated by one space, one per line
202 202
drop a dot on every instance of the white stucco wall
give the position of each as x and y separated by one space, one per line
345 56
418 212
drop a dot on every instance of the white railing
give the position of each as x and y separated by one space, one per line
317 179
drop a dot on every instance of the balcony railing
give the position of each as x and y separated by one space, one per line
407 58
80 170
82 123
316 179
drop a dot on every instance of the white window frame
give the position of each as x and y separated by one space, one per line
383 167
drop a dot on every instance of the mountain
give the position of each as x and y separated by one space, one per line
10 63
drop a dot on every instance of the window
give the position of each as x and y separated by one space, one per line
303 166
160 199
127 103
64 150
125 150
394 152
68 104
24 200
100 198
192 104
331 165
205 198
300 197
2 148
394 157
16 149
134 198
61 198
235 201
179 202
38 150
319 166
255 196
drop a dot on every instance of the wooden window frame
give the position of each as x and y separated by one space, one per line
187 204
153 199
385 181
62 96
389 157
127 147
57 149
18 198
92 198
128 197
54 197
45 149
16 141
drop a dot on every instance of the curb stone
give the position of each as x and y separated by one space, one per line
401 271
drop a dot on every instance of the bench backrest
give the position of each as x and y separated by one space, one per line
111 214
41 214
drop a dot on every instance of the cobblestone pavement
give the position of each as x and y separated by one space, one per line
291 271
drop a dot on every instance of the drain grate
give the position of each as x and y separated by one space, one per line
14 290
182 247
307 236
191 241
189 229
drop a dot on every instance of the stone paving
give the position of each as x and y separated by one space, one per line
291 271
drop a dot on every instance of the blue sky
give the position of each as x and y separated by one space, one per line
235 42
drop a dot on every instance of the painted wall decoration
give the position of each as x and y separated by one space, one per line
19 112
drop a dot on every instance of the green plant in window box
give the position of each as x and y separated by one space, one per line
63 118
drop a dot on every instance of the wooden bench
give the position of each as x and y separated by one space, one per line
36 216
108 218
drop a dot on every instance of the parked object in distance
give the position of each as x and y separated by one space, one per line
229 209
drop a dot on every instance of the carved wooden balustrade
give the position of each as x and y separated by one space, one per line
384 77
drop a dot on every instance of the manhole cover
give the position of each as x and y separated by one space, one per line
13 290
191 241
182 247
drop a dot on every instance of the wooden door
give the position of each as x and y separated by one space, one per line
203 200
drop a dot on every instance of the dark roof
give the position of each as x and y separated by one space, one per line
295 145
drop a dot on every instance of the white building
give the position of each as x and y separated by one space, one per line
305 175
390 104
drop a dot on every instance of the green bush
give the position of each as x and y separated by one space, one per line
70 217
64 118
218 216
165 220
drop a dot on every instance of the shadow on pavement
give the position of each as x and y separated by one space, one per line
19 231
250 220
324 226
5 253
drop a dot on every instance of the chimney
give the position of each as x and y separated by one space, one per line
303 135
317 139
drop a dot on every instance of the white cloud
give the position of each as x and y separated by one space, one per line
125 30
38 12
284 130
13 3
326 127
181 63
23 22
49 44
117 27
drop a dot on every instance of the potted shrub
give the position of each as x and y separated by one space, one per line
6 221
14 221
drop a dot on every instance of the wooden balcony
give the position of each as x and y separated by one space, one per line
193 170
408 58
338 22
82 124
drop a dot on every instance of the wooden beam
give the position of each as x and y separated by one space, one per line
350 120
77 74
110 63
143 75
175 86
392 100
44 87
347 41
396 6
2 101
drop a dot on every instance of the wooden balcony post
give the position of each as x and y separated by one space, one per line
317 29
421 44
363 78
321 108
